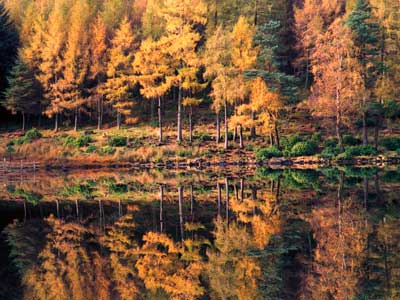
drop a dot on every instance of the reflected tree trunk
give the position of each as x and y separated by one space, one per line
241 189
227 199
161 208
365 192
77 208
180 203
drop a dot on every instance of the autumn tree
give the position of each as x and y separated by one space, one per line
98 63
153 74
338 82
119 69
182 19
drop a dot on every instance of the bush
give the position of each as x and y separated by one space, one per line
391 144
108 150
331 143
83 141
184 153
358 151
303 149
118 141
33 134
91 149
316 137
288 143
267 153
330 152
350 140
204 137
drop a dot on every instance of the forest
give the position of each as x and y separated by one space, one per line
283 77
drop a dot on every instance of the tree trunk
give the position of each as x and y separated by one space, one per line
180 202
226 125
118 120
56 123
219 199
227 199
240 137
179 133
160 126
76 119
253 133
278 142
23 121
218 138
271 139
339 122
99 112
235 134
376 137
364 123
161 208
241 189
190 125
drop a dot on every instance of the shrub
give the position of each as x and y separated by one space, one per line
184 153
33 134
204 137
249 147
107 150
91 149
391 144
288 143
358 151
316 137
303 149
267 153
118 141
330 152
350 140
83 141
331 143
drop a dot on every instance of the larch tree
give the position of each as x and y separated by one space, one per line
365 36
152 72
119 70
98 64
244 56
338 80
182 18
50 61
217 61
75 60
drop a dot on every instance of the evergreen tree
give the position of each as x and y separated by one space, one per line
19 96
8 45
365 35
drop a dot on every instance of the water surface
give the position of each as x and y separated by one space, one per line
264 234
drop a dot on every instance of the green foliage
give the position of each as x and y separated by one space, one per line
303 149
118 141
29 196
184 153
107 150
91 149
358 151
267 153
330 152
30 136
331 143
81 141
350 140
203 137
391 144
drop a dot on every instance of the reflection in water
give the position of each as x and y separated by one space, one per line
270 235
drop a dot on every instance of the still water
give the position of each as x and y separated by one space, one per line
292 234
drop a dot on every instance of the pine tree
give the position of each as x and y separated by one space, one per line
119 70
8 45
20 94
365 36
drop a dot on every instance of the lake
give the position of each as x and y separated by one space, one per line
210 234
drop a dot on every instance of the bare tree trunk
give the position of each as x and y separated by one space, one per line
241 189
77 208
339 121
118 120
23 121
180 202
56 123
179 133
226 125
76 119
240 137
190 125
99 112
218 138
278 142
161 208
219 199
227 199
160 125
